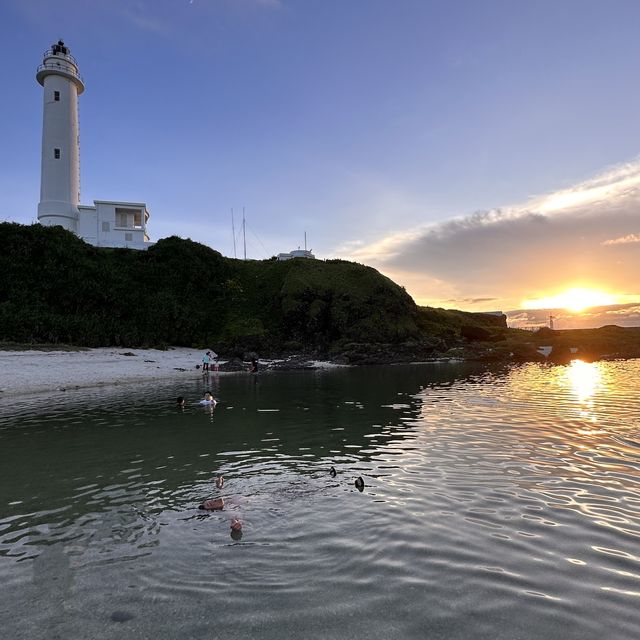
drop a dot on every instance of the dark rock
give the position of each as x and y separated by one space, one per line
293 362
473 333
560 354
122 616
527 353
235 364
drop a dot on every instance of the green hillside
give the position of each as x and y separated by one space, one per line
55 288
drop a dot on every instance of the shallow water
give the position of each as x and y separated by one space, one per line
497 504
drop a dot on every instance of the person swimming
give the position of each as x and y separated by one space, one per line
359 484
180 402
209 399
236 529
213 504
220 482
333 472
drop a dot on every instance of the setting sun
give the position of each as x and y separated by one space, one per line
576 299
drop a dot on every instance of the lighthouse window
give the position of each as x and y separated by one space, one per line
56 154
56 96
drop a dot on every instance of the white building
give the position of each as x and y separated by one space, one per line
106 223
296 253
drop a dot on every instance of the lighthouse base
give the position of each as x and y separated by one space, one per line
63 214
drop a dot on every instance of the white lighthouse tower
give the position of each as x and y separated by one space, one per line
60 172
108 223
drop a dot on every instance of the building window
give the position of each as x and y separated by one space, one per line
105 226
56 96
128 237
56 154
128 218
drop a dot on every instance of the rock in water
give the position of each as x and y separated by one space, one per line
121 616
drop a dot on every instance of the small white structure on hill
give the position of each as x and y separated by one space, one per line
106 223
296 253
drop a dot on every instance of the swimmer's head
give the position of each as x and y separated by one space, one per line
219 482
332 472
208 396
359 483
236 525
180 401
213 504
236 534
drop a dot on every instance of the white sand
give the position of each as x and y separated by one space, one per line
26 372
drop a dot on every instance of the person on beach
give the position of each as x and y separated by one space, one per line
254 366
209 399
206 359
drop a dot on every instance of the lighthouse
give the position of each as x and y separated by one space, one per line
108 223
60 169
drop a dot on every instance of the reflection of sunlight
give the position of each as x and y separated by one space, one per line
584 378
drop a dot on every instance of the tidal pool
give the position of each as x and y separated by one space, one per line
498 504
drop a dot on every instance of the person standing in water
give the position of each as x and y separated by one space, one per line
209 399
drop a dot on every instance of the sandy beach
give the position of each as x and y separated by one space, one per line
27 372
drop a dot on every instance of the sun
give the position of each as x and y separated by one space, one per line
577 299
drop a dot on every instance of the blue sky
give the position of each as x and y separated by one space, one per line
368 124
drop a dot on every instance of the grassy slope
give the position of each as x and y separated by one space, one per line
56 289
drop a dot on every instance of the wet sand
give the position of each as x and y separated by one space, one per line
29 372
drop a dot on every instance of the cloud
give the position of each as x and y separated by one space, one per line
529 250
628 239
271 4
470 300
142 18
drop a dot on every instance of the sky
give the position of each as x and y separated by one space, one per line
482 153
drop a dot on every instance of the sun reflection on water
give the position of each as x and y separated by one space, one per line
585 380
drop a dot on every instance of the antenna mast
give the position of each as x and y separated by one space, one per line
233 230
305 240
244 234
